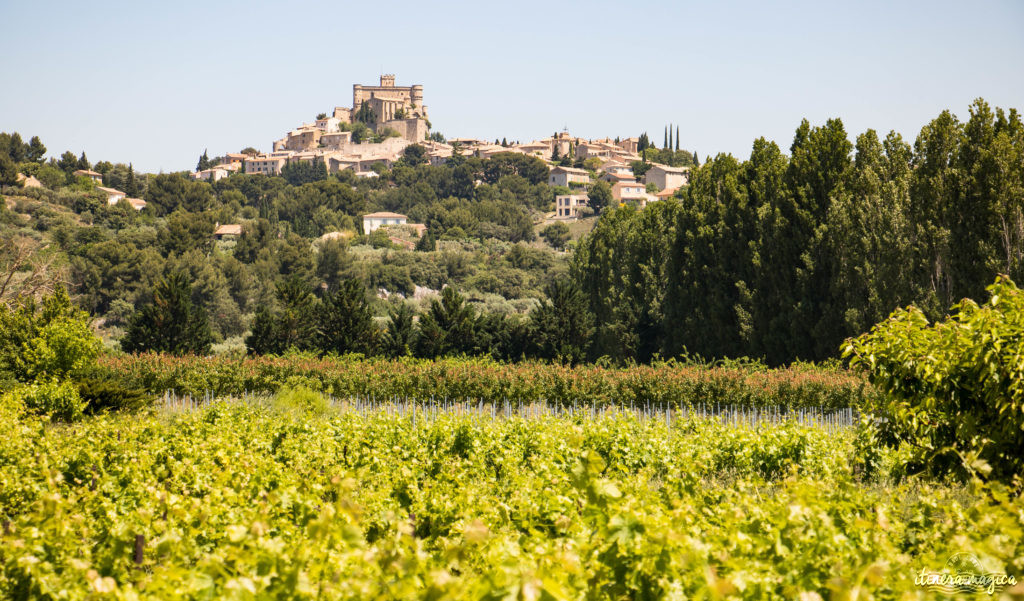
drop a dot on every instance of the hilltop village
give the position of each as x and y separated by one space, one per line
385 119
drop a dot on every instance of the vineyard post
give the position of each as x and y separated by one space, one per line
140 543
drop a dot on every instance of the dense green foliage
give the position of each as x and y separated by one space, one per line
170 323
244 502
953 390
661 384
783 257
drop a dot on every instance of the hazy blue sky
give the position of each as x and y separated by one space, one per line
156 83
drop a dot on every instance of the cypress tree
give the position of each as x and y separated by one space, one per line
677 138
131 187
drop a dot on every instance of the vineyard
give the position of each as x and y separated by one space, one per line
666 384
293 498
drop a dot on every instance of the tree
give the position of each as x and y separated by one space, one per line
664 142
320 116
365 115
414 154
555 156
68 162
204 162
696 159
448 328
36 150
17 150
48 341
562 326
170 323
263 339
83 162
556 234
296 326
345 321
131 187
297 173
600 196
426 243
8 171
677 138
400 337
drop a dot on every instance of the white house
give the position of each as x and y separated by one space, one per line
374 220
567 206
113 196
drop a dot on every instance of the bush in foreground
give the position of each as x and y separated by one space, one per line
953 390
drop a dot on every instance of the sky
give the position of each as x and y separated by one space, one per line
157 83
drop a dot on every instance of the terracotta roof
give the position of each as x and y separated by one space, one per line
88 173
667 193
385 215
109 191
137 203
228 229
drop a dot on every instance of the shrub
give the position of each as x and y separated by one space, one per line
58 400
105 394
954 390
300 399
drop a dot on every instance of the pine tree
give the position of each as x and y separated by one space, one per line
171 323
400 338
562 326
36 150
345 321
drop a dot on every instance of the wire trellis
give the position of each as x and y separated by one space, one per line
426 410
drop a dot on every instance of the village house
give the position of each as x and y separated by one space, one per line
666 193
96 177
113 196
228 230
137 203
629 192
665 177
373 221
235 158
615 177
566 176
212 174
567 206
269 164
